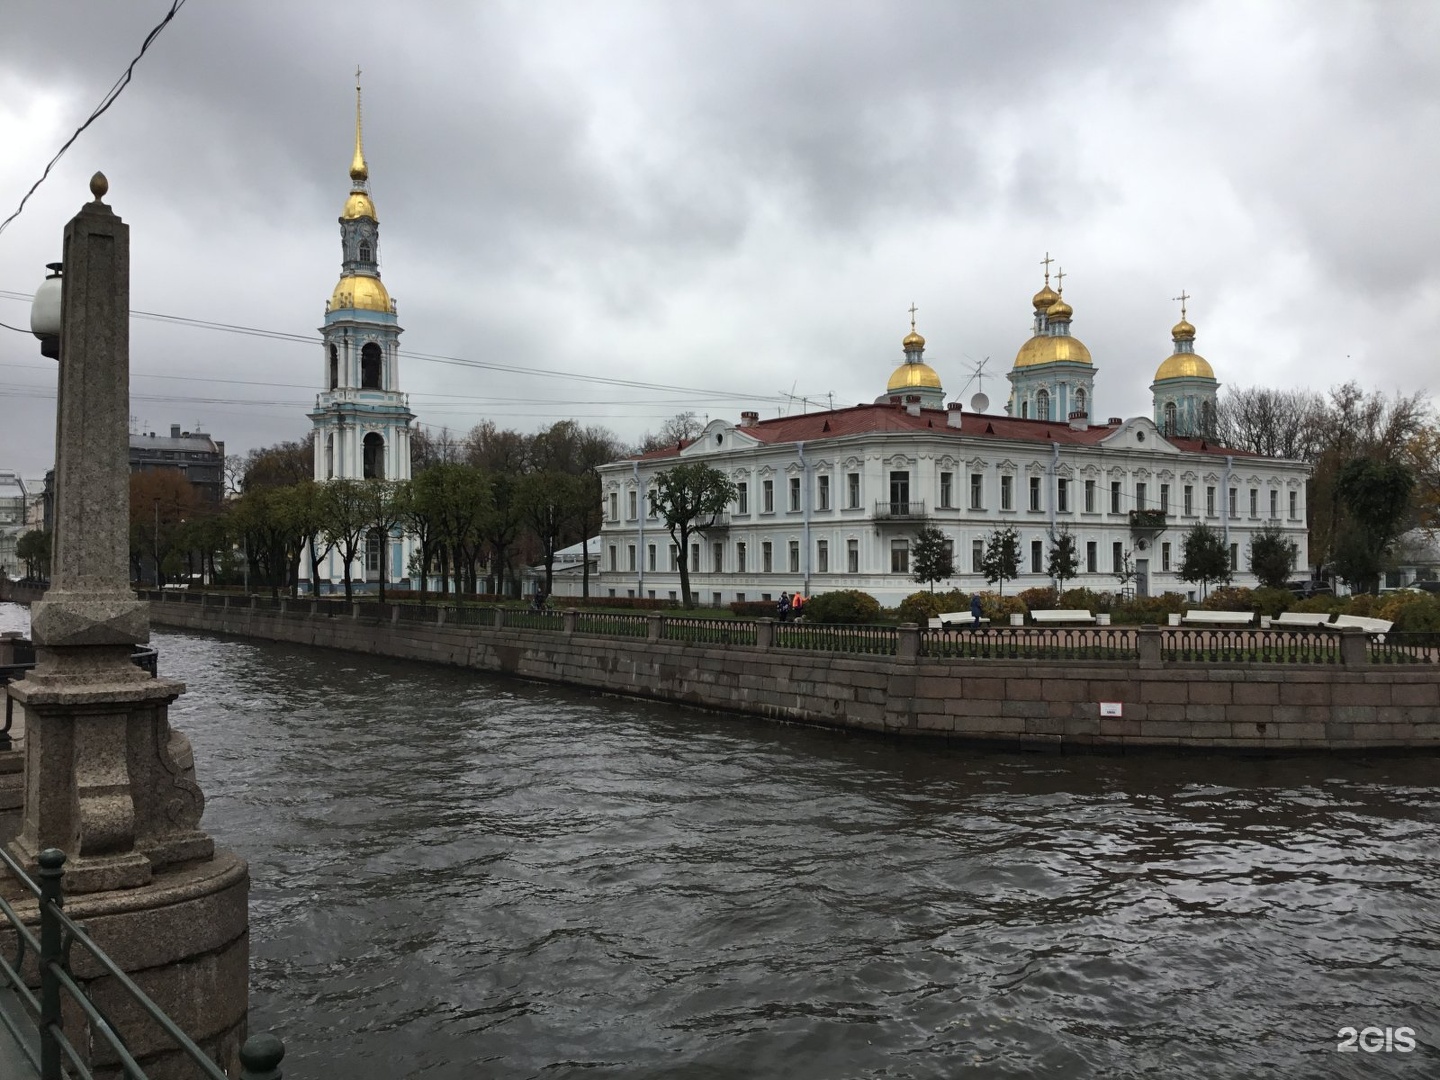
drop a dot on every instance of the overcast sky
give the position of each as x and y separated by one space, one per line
736 200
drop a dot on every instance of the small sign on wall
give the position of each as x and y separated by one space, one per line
1111 708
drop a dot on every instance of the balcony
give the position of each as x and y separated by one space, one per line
900 510
1148 521
715 523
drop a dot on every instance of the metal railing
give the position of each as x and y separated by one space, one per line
824 637
612 624
1241 645
1030 643
529 619
698 631
47 961
1405 648
900 509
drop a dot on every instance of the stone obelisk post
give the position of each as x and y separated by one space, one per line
106 779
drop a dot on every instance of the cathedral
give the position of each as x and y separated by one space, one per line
361 419
831 500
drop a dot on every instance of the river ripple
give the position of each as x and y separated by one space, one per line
459 876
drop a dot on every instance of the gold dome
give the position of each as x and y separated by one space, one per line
913 341
1183 331
910 376
358 205
361 292
1045 349
1185 366
1044 298
1059 311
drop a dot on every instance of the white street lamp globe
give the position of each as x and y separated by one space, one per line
45 308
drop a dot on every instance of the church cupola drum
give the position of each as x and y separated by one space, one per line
361 418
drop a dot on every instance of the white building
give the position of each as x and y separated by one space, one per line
362 420
833 499
14 505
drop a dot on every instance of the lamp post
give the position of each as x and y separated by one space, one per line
45 312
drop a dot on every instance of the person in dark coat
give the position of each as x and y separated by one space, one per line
975 610
782 606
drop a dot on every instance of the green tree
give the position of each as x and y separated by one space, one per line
1063 562
688 497
1000 562
1203 558
549 502
344 522
33 549
934 559
1376 498
385 507
1271 556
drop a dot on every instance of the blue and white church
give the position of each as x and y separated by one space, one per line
362 420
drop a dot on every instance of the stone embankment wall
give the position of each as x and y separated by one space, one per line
1054 704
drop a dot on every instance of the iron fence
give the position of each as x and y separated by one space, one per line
529 619
415 613
470 615
1030 643
612 624
873 640
45 961
1405 648
1238 645
696 631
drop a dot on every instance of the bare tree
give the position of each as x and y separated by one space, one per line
675 432
1273 423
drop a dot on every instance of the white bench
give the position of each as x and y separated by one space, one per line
1061 615
1301 618
956 618
1219 618
1370 626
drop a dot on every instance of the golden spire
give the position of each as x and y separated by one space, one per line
358 170
913 340
1059 280
1182 298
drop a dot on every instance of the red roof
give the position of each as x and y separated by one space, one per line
867 419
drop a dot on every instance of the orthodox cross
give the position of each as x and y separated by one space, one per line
1060 280
913 309
1182 298
1045 262
357 76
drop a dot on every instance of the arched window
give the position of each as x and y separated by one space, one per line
1170 425
1024 410
329 457
374 552
365 251
334 367
1042 405
1080 402
374 457
370 367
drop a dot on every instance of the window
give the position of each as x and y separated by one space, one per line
742 498
1293 504
1037 556
373 547
794 494
739 597
1254 503
715 599
1274 504
374 457
1034 493
947 488
852 556
614 506
1024 410
329 456
650 503
717 557
1117 556
650 556
694 563
794 556
1140 494
977 554
1042 405
366 254
767 496
334 367
1209 501
630 503
1165 498
1062 495
1170 418
1114 496
740 556
370 367
1089 496
852 490
899 493
977 491
1234 503
822 556
822 493
899 556
611 592
613 564
630 557
1080 402
630 593
1165 557
1007 493
767 558
1092 558
674 558
1189 497
672 596
1234 557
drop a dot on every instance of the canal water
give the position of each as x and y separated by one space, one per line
463 876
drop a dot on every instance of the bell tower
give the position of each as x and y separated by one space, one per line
361 418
